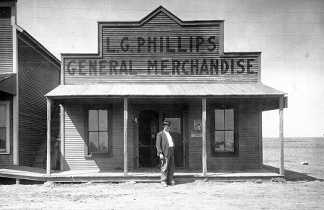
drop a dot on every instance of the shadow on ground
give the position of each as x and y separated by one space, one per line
9 181
293 175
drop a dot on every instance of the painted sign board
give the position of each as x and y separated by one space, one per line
160 46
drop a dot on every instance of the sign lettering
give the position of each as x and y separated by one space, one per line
217 66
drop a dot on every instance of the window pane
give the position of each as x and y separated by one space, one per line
219 119
229 141
103 120
2 139
229 119
93 120
3 115
93 142
219 141
103 141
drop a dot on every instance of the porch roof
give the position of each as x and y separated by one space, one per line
164 89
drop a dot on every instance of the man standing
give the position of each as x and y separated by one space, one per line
165 150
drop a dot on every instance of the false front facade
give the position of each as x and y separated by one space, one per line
113 103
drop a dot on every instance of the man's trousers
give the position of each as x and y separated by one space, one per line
167 167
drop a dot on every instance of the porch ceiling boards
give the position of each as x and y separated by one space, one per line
164 89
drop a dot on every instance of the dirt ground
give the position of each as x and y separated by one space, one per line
304 191
196 195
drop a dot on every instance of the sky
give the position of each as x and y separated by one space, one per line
289 33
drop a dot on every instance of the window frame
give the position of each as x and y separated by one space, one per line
107 107
8 130
212 131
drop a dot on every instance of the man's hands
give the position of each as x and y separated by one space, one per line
161 156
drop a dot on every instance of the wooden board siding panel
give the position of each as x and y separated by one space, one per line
248 155
6 51
195 143
75 140
160 18
161 47
172 32
139 65
37 76
6 160
118 59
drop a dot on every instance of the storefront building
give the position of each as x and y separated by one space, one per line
112 103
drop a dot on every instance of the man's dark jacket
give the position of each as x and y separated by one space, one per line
162 144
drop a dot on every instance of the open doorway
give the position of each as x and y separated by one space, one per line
148 127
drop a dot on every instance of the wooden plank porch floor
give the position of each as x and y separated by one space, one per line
37 174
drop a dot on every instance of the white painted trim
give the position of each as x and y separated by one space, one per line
62 136
15 103
14 40
125 136
281 136
8 130
62 76
48 137
204 136
15 129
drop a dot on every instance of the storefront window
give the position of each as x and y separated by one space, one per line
98 138
4 127
224 131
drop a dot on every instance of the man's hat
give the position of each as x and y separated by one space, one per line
165 122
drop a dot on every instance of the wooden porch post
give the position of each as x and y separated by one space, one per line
15 133
281 135
15 114
203 133
125 135
48 138
62 136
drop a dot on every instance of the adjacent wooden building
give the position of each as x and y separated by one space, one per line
27 72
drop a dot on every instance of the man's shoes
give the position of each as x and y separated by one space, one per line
164 184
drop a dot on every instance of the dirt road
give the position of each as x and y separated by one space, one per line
195 195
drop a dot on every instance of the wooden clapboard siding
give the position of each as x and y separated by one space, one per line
140 66
6 50
249 155
156 31
195 143
160 25
37 76
160 18
7 159
75 140
248 136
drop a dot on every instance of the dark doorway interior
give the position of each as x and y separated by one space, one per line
148 127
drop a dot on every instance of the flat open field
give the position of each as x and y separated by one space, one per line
303 190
